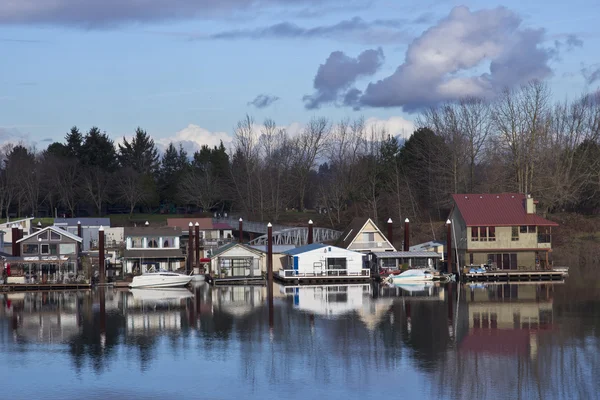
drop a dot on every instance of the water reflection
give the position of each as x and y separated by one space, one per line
503 341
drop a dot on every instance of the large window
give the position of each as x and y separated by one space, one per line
515 233
137 242
483 233
168 243
30 249
54 236
336 263
503 261
492 234
475 233
67 248
49 249
153 242
368 237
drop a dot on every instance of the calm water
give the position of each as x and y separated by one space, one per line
350 342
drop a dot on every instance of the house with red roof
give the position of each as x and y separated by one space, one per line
502 230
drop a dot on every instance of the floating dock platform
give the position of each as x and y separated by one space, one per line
285 277
515 276
257 280
28 287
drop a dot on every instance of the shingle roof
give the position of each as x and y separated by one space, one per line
183 223
408 254
426 245
503 209
304 249
277 248
221 225
225 248
351 232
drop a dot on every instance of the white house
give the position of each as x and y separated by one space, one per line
89 229
24 224
237 260
152 248
321 260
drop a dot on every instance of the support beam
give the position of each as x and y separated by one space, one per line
197 243
310 232
101 267
449 245
406 234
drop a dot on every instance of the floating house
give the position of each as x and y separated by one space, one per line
24 225
364 236
393 260
48 255
235 260
152 248
322 262
212 235
502 230
433 245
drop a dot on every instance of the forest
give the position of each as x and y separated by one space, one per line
522 141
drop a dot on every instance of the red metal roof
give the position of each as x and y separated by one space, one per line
221 225
502 209
183 223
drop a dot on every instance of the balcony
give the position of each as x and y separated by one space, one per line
544 240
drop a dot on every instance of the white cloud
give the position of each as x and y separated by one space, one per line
395 126
193 137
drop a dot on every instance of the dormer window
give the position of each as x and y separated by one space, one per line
54 236
153 242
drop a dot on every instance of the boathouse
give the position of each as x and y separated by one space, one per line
152 248
211 235
501 230
236 260
319 260
48 255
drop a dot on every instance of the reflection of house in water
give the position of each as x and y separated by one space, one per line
150 310
239 300
506 319
44 317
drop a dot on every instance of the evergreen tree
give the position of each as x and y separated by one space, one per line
74 143
98 150
140 154
172 166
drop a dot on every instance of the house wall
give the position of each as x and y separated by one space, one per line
278 262
129 242
7 228
306 261
504 240
525 259
171 265
379 242
239 252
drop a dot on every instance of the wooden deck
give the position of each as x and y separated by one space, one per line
259 280
515 276
28 287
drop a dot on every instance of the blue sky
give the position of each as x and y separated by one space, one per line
187 70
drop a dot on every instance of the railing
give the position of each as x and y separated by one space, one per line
290 273
368 245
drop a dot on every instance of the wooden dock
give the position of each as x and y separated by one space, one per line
514 276
28 287
321 280
258 280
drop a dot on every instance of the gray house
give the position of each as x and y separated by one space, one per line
89 229
48 255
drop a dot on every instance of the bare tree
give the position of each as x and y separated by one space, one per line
132 188
201 188
96 186
475 125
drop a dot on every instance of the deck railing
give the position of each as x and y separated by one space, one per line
291 273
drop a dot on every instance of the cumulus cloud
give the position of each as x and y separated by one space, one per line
591 73
102 13
263 101
446 62
355 29
338 73
394 126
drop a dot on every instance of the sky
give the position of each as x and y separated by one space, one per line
187 70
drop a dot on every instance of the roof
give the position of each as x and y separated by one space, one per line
151 231
426 245
221 225
503 209
153 253
55 229
408 254
352 231
184 223
225 248
84 221
304 249
280 248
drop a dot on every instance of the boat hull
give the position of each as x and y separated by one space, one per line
423 278
198 278
160 281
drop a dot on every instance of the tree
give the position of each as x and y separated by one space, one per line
200 187
74 143
98 150
61 176
140 154
132 188
172 167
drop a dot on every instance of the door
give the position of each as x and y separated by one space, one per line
505 261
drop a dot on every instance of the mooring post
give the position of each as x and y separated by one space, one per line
449 246
20 236
190 262
241 230
406 234
15 237
101 267
270 255
197 233
310 232
102 299
79 233
390 231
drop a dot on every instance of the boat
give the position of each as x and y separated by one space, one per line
415 286
412 275
160 279
158 295
198 278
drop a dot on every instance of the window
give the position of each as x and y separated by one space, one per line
531 229
49 249
474 233
168 243
43 235
544 235
492 234
54 236
336 263
483 233
368 237
30 249
67 248
153 242
515 233
524 229
137 243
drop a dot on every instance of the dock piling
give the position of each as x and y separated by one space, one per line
406 234
101 267
197 242
310 232
390 231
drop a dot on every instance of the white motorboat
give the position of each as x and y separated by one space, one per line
412 275
158 295
198 278
415 286
160 279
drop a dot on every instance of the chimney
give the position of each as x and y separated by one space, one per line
529 205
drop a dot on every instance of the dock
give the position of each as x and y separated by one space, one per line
28 287
257 280
287 277
515 276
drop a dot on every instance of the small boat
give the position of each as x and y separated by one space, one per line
158 295
160 279
412 275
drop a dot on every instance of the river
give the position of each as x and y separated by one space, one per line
526 341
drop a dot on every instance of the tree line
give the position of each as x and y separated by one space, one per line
521 142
